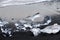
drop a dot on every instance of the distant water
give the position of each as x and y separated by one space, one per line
18 2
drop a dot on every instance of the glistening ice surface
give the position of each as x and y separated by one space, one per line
47 25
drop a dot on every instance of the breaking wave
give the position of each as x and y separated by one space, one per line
19 2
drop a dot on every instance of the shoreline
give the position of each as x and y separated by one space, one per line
23 11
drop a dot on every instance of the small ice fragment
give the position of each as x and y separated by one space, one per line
3 23
34 16
35 31
4 31
27 25
10 35
24 28
47 20
22 21
36 25
9 32
16 24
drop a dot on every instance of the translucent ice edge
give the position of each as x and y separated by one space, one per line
19 2
8 28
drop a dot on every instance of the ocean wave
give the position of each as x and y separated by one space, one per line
18 2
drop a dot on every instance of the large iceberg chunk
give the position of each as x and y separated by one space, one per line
51 29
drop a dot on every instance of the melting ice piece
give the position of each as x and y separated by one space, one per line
22 21
35 31
6 31
16 24
24 28
36 25
2 23
34 16
47 20
28 25
17 27
51 29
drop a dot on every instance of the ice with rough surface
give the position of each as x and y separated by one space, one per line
27 25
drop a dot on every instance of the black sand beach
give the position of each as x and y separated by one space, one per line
23 11
29 36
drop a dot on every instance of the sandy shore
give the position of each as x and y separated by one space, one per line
23 11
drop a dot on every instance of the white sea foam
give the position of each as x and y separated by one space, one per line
19 2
